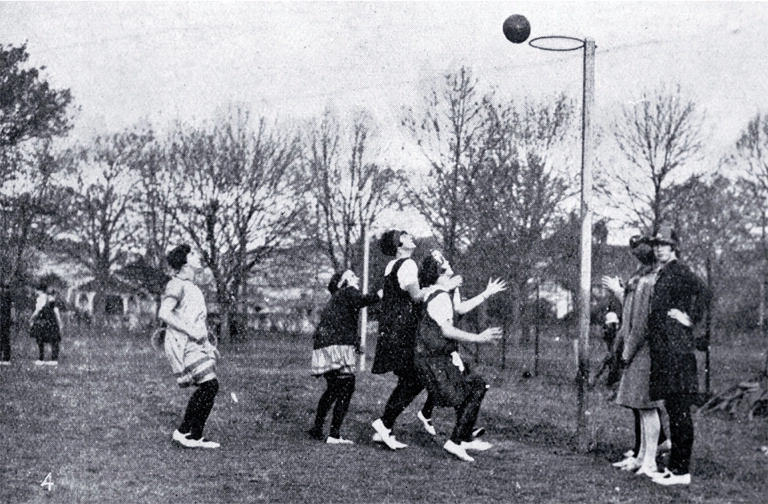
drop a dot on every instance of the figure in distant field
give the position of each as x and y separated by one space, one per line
438 363
634 356
45 325
679 301
335 348
398 324
6 321
187 345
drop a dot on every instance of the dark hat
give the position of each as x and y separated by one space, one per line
390 242
666 235
641 248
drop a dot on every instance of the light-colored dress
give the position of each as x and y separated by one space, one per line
192 362
634 384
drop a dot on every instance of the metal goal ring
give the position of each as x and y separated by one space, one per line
562 37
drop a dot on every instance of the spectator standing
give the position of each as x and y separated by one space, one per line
679 301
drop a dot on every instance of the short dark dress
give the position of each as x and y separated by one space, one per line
45 327
398 323
447 384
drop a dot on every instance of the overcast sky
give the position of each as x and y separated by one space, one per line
162 61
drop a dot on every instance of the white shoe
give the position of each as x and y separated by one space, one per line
665 446
183 440
51 363
625 462
457 450
39 363
203 443
631 466
650 471
476 444
5 363
385 436
377 439
668 478
338 440
427 423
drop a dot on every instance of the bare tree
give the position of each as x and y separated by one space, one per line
515 193
240 197
350 189
659 136
100 228
449 131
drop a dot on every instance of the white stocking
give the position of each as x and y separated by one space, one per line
650 427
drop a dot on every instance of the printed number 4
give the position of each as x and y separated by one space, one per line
47 482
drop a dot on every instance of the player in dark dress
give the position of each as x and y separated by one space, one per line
398 323
335 348
438 363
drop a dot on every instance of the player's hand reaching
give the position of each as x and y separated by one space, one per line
491 334
494 287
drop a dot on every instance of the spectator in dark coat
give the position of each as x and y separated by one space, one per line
679 301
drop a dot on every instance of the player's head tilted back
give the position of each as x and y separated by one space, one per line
432 268
395 242
342 279
177 257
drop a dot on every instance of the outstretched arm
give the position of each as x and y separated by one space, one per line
454 333
418 294
494 287
441 311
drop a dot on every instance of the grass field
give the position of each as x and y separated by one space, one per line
100 425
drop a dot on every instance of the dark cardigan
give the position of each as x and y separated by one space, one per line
339 318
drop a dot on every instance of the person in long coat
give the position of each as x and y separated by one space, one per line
635 357
679 301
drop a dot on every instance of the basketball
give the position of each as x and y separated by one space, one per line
517 28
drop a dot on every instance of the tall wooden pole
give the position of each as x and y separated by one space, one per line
364 311
586 242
